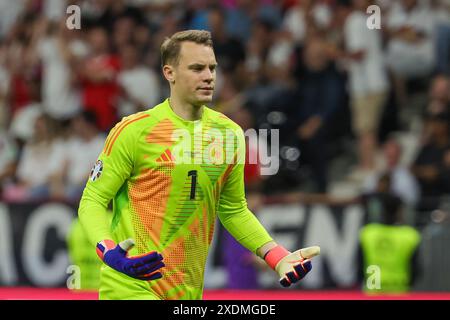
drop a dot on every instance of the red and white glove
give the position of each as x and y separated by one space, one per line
291 266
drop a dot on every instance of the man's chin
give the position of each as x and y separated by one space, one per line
204 99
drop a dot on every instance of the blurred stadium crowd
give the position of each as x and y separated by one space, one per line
351 103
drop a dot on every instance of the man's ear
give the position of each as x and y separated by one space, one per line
169 73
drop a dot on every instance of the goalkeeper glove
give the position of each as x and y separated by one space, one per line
291 267
142 267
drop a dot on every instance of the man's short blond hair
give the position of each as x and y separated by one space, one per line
170 48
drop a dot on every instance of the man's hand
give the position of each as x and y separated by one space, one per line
291 267
142 267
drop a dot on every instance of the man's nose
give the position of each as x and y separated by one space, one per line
208 75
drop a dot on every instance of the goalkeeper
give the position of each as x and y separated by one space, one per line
168 173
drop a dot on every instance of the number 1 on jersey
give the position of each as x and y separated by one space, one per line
193 174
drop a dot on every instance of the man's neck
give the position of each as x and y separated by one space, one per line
185 110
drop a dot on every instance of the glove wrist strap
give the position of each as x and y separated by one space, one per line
275 255
103 246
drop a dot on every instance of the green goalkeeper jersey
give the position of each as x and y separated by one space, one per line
168 179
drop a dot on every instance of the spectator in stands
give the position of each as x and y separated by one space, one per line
23 73
319 95
257 48
428 166
60 51
99 79
410 48
229 50
266 81
304 16
24 79
262 86
78 157
403 184
40 159
280 60
368 83
139 84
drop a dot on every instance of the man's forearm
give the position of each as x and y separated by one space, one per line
246 229
95 220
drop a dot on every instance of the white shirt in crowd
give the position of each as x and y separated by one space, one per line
295 21
411 59
141 83
369 74
78 158
60 99
39 162
22 124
